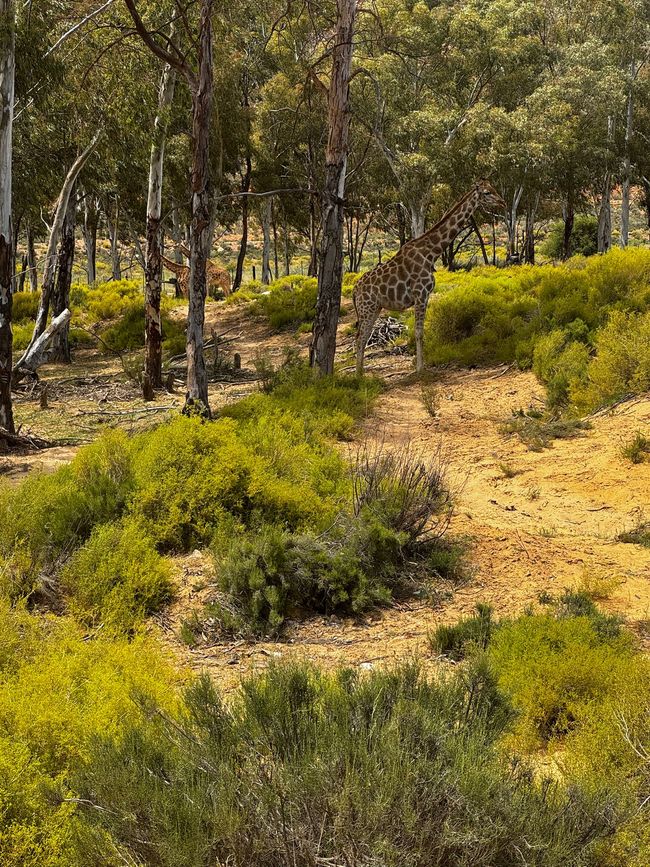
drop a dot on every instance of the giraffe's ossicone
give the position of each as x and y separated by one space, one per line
407 279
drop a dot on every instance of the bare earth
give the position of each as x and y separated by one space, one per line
544 529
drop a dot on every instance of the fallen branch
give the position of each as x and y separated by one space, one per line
23 441
145 409
35 355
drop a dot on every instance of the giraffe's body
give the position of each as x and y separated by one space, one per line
218 278
407 279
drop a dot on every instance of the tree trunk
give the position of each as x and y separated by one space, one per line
266 211
418 214
529 231
243 247
605 216
401 224
7 76
55 231
91 220
61 293
35 355
287 250
646 200
23 273
511 223
481 242
113 231
153 263
312 271
331 260
627 164
276 264
568 215
32 267
197 378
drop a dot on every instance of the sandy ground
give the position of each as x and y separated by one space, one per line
534 521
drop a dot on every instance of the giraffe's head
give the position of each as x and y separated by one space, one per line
488 197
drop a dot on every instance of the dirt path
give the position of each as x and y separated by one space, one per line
535 521
550 525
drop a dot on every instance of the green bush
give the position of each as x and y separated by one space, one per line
470 634
584 238
582 325
288 302
25 307
127 332
557 669
305 767
58 693
117 578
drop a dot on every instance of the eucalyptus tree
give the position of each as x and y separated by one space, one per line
7 81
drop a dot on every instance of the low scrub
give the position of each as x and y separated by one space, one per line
288 302
637 449
456 641
583 326
537 431
306 768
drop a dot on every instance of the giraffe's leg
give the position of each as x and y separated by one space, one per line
420 313
366 320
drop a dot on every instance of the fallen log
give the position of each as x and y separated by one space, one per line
35 356
29 442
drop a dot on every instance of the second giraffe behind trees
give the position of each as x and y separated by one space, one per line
407 279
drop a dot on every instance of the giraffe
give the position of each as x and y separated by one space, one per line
407 279
218 278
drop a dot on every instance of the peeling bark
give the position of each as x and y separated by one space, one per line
153 262
61 294
331 260
7 78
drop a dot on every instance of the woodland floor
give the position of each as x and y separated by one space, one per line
542 529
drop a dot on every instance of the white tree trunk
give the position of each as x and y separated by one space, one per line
35 355
418 210
153 262
55 232
113 231
7 78
265 218
627 165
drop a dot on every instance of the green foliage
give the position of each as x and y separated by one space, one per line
58 693
584 326
537 431
637 449
117 578
25 307
403 769
584 238
639 535
288 302
128 332
470 634
556 668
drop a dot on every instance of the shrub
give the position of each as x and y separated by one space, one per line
638 535
537 432
584 238
556 668
288 302
128 332
637 449
25 307
469 634
308 767
117 578
58 692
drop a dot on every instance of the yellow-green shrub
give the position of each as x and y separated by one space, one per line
117 577
288 302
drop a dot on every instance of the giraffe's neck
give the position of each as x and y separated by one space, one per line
440 235
174 267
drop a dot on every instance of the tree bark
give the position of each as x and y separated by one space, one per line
401 224
31 260
91 220
568 216
418 214
23 273
197 379
55 232
274 224
627 164
243 247
265 219
605 215
153 263
61 293
113 231
331 260
7 78
511 222
35 355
